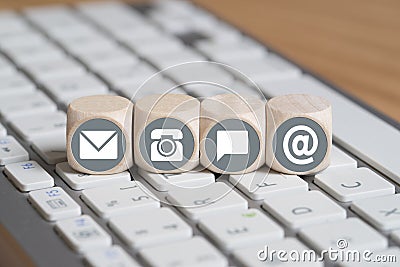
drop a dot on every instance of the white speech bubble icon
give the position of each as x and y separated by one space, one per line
232 143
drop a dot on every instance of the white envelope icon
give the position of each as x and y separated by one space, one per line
98 145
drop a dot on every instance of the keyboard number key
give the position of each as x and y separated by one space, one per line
28 175
54 204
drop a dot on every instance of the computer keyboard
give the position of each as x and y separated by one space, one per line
52 55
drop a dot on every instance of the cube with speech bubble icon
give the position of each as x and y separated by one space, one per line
232 133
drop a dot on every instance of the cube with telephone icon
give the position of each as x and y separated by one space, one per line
166 130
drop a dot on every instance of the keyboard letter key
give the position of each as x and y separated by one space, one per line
83 233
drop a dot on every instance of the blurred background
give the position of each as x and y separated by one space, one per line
353 44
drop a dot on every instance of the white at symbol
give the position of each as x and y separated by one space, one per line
295 145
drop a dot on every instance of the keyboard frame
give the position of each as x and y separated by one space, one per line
37 236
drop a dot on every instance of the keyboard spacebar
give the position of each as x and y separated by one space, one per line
356 129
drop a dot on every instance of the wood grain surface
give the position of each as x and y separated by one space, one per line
353 44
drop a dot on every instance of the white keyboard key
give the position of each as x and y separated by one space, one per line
191 179
79 181
349 184
233 230
341 159
181 23
102 8
51 149
120 27
382 212
267 68
87 43
165 60
3 130
134 35
215 198
14 106
383 258
16 83
72 31
37 126
150 228
201 73
264 182
47 18
353 126
119 17
194 252
34 53
66 88
49 12
6 68
119 199
108 59
28 175
83 233
357 234
222 33
110 256
22 39
220 52
128 75
66 101
303 209
159 44
54 69
10 23
11 151
54 204
178 8
249 256
243 89
155 85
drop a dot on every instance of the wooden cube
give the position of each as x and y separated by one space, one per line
232 133
166 133
299 134
99 134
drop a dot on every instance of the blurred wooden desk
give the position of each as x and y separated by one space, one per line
354 44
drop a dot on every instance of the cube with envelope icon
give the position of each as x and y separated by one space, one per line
99 134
